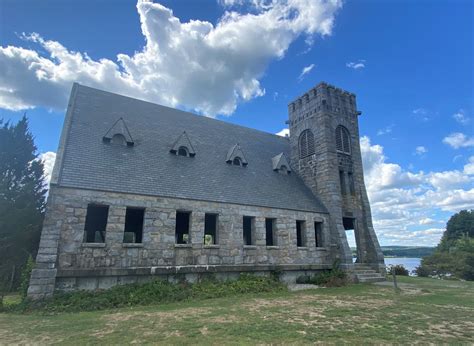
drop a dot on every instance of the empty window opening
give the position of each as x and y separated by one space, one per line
237 161
183 151
270 232
210 229
350 177
283 170
183 219
133 225
306 143
318 234
342 181
96 223
300 233
248 227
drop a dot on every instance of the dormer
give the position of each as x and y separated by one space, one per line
280 164
182 146
236 157
119 134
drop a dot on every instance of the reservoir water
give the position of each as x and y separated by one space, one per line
409 263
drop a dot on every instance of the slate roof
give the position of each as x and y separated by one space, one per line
149 168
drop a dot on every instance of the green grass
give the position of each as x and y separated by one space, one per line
425 311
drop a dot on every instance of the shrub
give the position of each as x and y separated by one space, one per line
153 292
399 269
25 277
329 278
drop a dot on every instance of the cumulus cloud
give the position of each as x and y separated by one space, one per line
469 167
48 159
305 71
458 140
420 150
284 133
196 64
386 130
356 65
403 201
461 117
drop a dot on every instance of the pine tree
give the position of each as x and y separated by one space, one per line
22 196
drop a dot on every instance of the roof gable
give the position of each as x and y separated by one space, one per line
149 169
183 141
119 128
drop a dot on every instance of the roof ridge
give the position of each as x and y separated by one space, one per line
183 111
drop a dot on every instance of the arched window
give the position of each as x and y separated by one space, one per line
306 143
118 139
343 141
237 161
183 151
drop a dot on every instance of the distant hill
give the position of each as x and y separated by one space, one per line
405 251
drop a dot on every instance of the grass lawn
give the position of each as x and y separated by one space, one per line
426 310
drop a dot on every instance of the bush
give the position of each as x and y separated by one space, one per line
329 278
399 269
153 292
25 277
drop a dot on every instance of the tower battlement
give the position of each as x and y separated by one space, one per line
323 97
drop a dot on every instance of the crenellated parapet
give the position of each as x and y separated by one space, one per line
322 98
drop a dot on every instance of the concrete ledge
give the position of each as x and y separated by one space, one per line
250 247
165 270
215 246
181 246
94 245
273 247
132 245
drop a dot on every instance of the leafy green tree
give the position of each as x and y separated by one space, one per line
22 197
459 225
454 255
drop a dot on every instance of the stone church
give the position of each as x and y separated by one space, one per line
142 191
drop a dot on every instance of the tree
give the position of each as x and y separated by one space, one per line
22 197
459 225
454 255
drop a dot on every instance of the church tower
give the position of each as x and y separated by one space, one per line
325 152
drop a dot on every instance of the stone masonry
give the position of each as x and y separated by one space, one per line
311 185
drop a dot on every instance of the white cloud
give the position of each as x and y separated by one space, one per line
469 167
385 130
197 65
422 114
459 140
403 202
356 65
305 71
420 150
461 117
48 159
284 133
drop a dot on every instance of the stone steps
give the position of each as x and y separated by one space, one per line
364 273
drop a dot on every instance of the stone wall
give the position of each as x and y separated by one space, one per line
64 254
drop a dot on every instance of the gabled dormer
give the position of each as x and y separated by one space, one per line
182 146
280 164
236 157
119 134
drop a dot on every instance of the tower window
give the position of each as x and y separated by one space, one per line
306 143
351 183
342 181
343 143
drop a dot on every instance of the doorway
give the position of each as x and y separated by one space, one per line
352 237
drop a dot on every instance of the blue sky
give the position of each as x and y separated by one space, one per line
409 62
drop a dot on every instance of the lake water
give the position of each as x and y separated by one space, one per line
409 263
